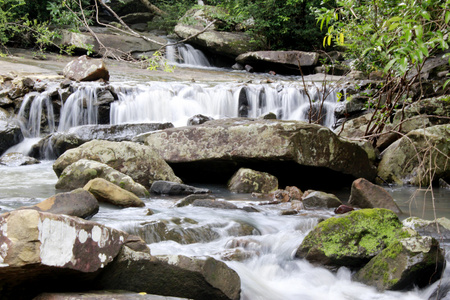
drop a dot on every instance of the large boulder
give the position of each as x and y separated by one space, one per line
10 135
419 158
287 59
48 252
351 240
411 262
438 229
85 68
55 144
225 43
77 203
251 181
114 44
178 276
365 194
105 191
142 163
285 149
79 173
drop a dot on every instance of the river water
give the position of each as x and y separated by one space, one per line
259 246
269 270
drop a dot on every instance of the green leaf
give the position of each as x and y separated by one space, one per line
389 65
393 26
426 15
447 16
419 31
394 19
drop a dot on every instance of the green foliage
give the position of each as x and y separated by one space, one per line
393 36
277 24
157 61
174 9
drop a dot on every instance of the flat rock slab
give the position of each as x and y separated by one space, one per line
293 58
241 140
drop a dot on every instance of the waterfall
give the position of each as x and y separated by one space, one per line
34 104
185 54
80 108
177 102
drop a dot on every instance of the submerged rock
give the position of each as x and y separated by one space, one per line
45 252
77 203
105 191
408 160
79 173
15 159
404 264
352 239
175 188
85 68
251 181
365 194
142 163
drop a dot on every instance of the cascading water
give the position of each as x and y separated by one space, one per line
185 54
177 102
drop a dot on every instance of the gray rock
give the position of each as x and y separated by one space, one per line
406 161
14 159
250 181
175 188
85 68
439 229
142 163
405 264
289 58
178 276
67 251
214 204
365 194
77 203
317 199
10 135
191 198
79 173
198 119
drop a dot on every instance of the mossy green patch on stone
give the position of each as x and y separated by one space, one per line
353 239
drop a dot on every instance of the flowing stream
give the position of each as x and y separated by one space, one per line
259 246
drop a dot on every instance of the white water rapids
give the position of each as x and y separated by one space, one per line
269 273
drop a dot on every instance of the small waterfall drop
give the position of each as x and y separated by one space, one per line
34 104
185 54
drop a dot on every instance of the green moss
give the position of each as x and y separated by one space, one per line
365 232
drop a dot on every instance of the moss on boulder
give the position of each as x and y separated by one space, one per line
352 239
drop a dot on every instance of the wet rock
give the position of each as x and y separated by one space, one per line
280 196
286 58
289 212
321 200
45 252
10 135
342 209
365 194
105 191
439 229
103 295
55 144
250 181
407 160
268 116
404 264
142 163
79 173
229 44
175 188
352 239
77 203
217 149
14 159
178 276
84 68
191 198
198 119
222 204
294 193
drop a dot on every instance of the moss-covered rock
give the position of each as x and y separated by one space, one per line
415 261
408 160
251 181
352 239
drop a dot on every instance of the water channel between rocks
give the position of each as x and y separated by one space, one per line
260 246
